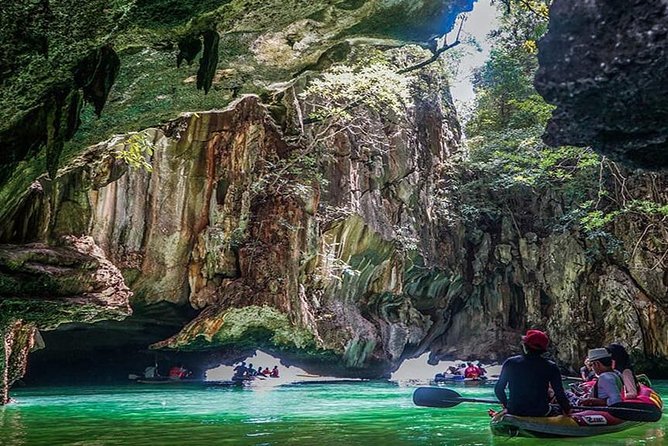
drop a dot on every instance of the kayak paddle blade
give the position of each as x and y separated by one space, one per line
435 397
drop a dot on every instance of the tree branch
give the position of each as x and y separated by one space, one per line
436 53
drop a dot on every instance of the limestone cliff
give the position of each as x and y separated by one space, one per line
356 273
42 287
604 64
343 248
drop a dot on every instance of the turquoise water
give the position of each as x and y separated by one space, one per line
334 414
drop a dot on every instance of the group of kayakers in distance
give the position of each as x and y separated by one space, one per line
249 372
175 373
463 371
534 382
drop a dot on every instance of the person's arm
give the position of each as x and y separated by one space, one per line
630 388
558 388
607 387
593 402
500 386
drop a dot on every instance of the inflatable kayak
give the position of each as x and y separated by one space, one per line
586 423
439 379
581 424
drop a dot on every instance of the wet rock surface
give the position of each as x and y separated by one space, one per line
42 287
352 277
605 66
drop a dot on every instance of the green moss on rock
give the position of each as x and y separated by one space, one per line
246 327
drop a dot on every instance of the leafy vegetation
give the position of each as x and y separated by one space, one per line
511 171
136 152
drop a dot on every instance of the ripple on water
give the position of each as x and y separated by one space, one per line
323 415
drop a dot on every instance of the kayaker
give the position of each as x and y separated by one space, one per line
250 371
482 370
151 372
529 377
178 372
471 371
266 371
608 389
621 362
586 372
240 370
274 372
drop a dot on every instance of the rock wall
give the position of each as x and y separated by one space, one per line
352 275
42 287
605 66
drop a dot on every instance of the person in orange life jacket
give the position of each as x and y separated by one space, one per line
529 377
266 371
274 372
471 371
622 364
608 389
178 372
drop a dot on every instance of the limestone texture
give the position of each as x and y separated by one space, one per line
339 249
42 287
354 274
604 64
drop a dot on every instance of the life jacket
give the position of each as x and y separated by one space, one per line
177 372
472 372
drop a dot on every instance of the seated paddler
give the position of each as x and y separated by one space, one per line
608 389
528 377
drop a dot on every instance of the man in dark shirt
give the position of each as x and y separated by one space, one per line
528 377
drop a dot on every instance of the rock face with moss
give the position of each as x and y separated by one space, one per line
356 273
60 60
605 66
334 243
42 287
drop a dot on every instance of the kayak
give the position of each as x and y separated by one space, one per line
581 424
168 381
461 380
586 423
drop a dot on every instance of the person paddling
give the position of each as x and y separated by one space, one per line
471 371
608 389
528 377
274 372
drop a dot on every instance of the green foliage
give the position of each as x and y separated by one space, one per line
508 158
338 94
136 151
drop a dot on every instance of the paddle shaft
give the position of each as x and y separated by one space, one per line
450 396
599 408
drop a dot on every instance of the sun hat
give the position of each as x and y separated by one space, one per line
536 339
598 353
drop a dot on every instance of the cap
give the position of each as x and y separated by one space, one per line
536 339
598 353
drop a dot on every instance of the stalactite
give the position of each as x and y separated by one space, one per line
189 48
209 61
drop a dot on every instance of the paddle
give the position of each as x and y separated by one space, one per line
444 398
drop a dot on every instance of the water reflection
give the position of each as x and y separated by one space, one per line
11 426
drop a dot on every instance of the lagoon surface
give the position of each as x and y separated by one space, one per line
365 413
